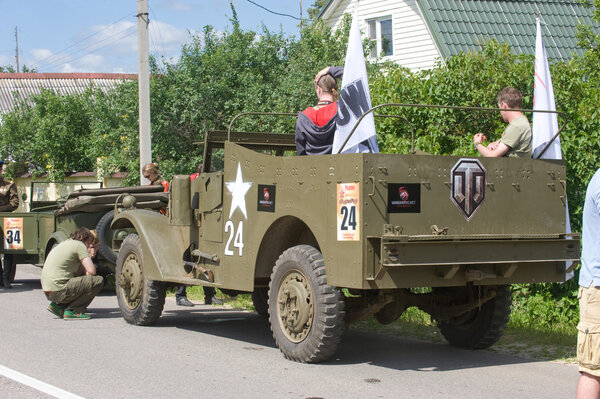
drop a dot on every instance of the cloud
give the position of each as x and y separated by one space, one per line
5 60
111 48
120 37
40 53
167 37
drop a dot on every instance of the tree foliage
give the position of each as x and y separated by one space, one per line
219 75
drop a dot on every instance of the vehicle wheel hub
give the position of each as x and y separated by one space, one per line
131 281
295 308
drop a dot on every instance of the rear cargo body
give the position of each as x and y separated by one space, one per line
387 221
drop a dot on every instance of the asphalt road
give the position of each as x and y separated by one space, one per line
212 352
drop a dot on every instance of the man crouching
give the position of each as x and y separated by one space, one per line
69 277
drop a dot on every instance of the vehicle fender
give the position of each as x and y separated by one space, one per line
163 245
56 237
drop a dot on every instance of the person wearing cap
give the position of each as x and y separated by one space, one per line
69 278
9 201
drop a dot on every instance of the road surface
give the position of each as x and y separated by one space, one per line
213 352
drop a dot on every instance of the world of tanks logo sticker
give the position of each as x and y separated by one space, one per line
467 187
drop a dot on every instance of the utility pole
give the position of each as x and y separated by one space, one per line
17 49
144 88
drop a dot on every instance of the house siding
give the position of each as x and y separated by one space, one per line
414 47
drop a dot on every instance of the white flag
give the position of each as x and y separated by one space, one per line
355 99
545 125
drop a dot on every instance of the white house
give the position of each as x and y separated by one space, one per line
417 33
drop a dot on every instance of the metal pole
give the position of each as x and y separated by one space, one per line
144 88
17 49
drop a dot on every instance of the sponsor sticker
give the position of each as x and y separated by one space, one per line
348 212
404 198
13 233
266 198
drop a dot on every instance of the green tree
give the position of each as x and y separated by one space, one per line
11 69
316 8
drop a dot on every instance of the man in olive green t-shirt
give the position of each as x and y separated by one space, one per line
516 139
69 277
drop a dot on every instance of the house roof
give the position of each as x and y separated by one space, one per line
15 87
459 26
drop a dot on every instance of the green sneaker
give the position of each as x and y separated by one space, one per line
74 315
56 309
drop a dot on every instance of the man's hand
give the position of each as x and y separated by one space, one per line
479 138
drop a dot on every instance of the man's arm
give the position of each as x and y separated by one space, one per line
88 266
494 150
335 71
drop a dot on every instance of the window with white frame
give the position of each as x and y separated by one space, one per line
380 34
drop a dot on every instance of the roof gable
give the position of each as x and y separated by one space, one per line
459 26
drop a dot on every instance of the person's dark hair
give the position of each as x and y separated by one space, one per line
329 84
511 96
85 236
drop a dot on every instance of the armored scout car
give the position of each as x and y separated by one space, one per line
323 241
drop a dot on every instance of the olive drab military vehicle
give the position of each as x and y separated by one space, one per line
323 241
30 235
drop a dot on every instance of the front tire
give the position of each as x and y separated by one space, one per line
480 328
306 314
141 300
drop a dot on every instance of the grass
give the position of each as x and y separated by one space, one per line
554 342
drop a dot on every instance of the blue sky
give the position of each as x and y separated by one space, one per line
101 35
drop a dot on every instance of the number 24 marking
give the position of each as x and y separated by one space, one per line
236 237
349 217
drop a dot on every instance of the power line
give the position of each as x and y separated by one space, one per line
162 43
273 12
53 59
65 59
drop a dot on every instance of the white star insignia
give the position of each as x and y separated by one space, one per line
238 189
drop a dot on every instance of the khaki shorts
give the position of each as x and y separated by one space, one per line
588 338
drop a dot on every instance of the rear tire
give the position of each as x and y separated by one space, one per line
306 314
105 233
141 300
482 327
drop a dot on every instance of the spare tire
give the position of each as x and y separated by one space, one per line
105 234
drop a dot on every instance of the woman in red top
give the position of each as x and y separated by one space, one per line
315 126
